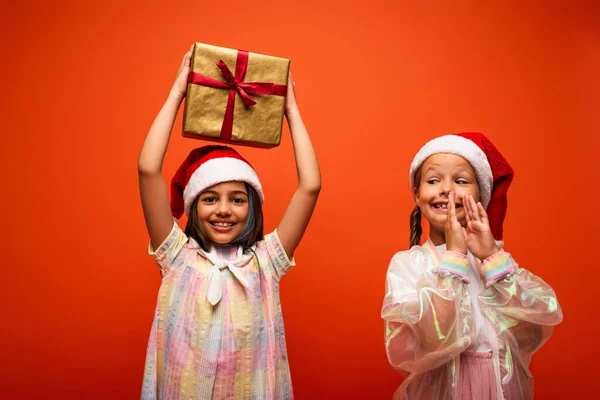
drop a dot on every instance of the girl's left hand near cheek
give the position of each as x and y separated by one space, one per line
479 240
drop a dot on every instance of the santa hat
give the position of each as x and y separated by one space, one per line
494 174
205 167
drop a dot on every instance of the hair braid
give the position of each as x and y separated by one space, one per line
415 227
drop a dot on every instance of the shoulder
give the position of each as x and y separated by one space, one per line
172 251
272 256
269 243
409 263
406 267
416 254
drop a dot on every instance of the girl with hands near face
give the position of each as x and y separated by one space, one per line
455 320
476 237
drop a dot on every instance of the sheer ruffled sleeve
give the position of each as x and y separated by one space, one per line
427 310
521 305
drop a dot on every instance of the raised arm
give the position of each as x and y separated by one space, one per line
153 191
297 215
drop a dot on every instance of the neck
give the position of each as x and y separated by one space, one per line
437 237
222 245
226 251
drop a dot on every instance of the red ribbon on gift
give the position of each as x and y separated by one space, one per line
236 84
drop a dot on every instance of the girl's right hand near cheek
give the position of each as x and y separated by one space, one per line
180 85
454 232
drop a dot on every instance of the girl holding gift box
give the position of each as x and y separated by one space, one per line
460 327
218 329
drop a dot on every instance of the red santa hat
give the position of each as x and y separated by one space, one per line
494 174
205 167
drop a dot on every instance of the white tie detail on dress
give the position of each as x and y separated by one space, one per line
215 280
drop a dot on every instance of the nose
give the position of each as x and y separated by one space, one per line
224 208
445 188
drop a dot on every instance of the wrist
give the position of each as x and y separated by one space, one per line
176 95
458 254
496 266
489 255
292 111
456 264
491 252
456 249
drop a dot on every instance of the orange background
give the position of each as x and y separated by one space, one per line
82 82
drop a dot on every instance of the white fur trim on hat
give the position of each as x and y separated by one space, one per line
465 148
219 170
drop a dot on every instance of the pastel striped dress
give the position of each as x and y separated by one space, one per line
234 349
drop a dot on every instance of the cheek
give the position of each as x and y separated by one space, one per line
203 213
475 193
468 190
242 213
424 193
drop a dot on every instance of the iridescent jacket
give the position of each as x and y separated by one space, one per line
439 304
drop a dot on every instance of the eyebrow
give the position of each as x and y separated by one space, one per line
434 166
465 169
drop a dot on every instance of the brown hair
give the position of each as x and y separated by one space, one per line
251 233
415 217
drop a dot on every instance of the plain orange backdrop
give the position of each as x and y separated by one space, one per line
82 81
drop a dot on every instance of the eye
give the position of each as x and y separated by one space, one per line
432 181
461 181
238 200
209 199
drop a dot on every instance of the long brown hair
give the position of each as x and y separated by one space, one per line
251 233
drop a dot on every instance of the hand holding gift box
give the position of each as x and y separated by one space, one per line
235 96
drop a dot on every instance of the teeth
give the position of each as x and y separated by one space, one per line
223 224
444 206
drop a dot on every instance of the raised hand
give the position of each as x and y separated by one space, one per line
180 84
479 238
290 100
153 190
455 234
296 217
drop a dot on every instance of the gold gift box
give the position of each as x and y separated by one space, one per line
258 125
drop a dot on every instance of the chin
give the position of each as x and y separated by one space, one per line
222 240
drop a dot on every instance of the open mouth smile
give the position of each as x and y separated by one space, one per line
221 226
444 206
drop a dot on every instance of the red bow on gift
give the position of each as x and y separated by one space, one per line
236 84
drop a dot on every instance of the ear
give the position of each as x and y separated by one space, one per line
416 195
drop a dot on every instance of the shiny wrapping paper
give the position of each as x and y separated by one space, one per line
257 125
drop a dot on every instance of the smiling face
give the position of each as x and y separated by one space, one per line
223 211
438 176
